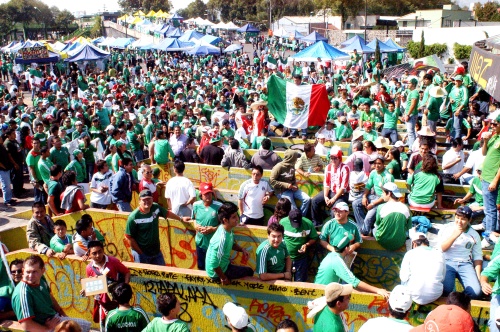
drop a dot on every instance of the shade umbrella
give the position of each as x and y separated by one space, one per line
233 48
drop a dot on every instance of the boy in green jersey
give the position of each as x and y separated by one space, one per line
125 318
170 307
273 260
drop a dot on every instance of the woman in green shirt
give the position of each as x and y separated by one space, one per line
78 166
88 154
394 166
121 152
425 184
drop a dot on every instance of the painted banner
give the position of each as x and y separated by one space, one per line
483 68
34 53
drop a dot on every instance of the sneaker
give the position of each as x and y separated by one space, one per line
11 203
486 245
478 227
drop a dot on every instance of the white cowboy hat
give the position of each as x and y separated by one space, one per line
437 92
426 131
255 105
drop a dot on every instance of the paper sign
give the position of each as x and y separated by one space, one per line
93 286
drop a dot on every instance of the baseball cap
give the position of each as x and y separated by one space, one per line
295 217
459 78
342 206
25 115
414 81
400 299
367 124
447 318
399 144
206 187
343 241
393 188
464 211
334 290
110 127
203 119
236 315
321 136
145 193
109 95
78 123
76 152
378 156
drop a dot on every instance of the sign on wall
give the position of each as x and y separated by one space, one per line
483 68
33 53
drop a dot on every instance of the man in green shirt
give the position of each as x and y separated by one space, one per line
331 318
300 234
491 177
432 110
205 220
59 154
35 176
390 113
411 110
44 164
338 226
273 260
372 195
143 232
459 100
217 262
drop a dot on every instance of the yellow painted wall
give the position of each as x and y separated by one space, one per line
267 303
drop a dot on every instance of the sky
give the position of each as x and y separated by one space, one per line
92 6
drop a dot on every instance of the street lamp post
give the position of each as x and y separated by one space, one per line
366 9
270 15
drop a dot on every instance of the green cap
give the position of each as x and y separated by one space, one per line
335 103
342 241
76 152
459 78
118 144
414 81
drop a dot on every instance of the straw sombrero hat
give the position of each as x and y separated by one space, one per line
437 92
382 143
426 131
255 105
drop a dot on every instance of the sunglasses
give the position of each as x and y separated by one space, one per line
16 271
494 124
148 172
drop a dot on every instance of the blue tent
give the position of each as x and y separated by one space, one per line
359 45
121 43
189 35
71 47
313 37
98 40
87 52
160 27
166 30
248 28
211 39
352 40
319 50
177 17
391 43
233 48
175 33
384 48
203 50
172 44
296 35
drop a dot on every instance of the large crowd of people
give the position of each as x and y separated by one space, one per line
90 131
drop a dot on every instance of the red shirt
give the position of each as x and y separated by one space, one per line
337 178
114 266
74 206
145 184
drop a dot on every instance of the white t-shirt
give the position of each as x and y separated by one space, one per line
320 149
449 157
422 272
385 324
179 190
99 180
475 159
466 245
252 195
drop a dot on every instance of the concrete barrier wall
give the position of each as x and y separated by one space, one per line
267 303
373 264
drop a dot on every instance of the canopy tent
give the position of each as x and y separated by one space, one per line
136 20
121 43
384 48
160 27
139 13
166 30
248 28
177 17
160 12
6 47
97 40
280 32
220 25
351 40
231 26
143 43
212 40
233 48
391 43
70 47
172 44
295 34
163 15
107 41
359 45
203 50
175 33
151 13
189 35
52 56
87 52
320 50
313 37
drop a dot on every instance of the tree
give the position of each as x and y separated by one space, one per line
196 8
421 50
130 5
64 19
487 12
145 5
7 23
96 30
377 51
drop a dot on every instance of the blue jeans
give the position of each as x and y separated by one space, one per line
6 186
410 129
432 125
490 208
40 195
301 266
294 132
390 133
201 255
300 195
466 274
364 220
90 171
154 260
123 206
457 125
494 304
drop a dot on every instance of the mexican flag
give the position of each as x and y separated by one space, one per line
297 106
271 62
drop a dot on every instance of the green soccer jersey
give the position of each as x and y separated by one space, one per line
327 321
32 161
377 181
103 115
423 187
476 190
144 228
57 244
492 159
270 259
60 157
393 221
390 118
219 251
79 168
205 216
134 141
161 325
434 106
44 166
412 95
296 237
30 302
42 137
334 269
396 169
131 320
332 231
227 133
